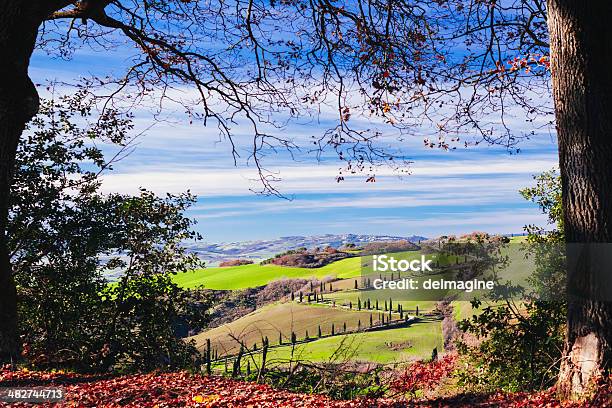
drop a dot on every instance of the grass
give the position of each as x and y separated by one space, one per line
249 276
392 345
346 296
384 346
415 342
463 310
281 318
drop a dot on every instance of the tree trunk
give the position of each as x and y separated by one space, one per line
581 67
18 103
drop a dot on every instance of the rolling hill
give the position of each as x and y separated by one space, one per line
282 318
249 276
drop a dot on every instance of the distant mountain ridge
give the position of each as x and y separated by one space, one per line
262 249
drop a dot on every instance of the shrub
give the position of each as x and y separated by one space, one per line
278 289
338 381
235 262
67 238
521 343
302 258
376 248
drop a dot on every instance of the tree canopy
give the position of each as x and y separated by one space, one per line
463 70
67 240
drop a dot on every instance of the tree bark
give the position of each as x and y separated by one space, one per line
18 103
581 67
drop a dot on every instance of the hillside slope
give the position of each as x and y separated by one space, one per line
249 276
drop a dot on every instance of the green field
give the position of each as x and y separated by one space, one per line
346 296
415 342
392 345
387 345
282 318
249 276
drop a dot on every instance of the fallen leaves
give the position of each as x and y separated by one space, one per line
166 390
183 389
424 376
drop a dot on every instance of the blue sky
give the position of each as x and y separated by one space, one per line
446 193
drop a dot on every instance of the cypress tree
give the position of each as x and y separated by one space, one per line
333 331
319 334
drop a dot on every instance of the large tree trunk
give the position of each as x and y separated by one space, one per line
18 103
581 54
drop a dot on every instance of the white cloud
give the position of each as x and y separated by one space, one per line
495 222
308 178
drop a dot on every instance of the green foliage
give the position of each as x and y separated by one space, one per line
326 379
521 342
547 194
521 346
66 238
546 247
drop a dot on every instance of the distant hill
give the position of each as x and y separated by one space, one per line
262 249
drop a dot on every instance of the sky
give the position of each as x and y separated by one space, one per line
454 192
